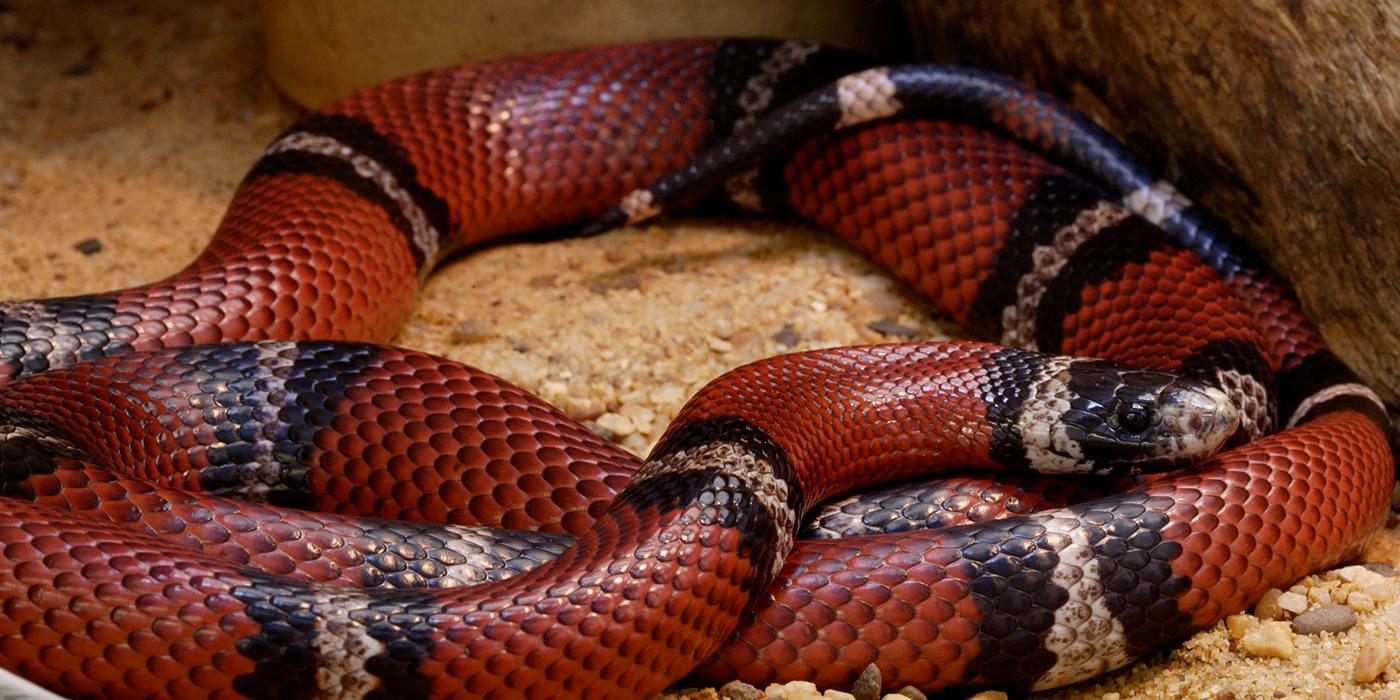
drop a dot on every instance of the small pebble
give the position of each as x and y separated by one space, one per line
601 431
719 344
1293 602
1326 618
667 394
834 694
1382 568
889 326
877 292
1268 608
787 337
739 690
1360 575
1381 592
1320 595
640 415
88 246
1339 594
1360 601
913 693
617 424
989 695
1371 662
1271 639
1241 624
793 690
867 685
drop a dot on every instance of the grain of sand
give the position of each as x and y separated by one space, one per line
128 125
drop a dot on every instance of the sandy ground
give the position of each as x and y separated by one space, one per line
127 125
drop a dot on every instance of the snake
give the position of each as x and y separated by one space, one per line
199 474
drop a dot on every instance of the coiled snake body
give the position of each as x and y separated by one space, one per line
112 419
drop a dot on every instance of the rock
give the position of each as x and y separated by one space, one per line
1320 595
1325 618
88 246
988 695
913 693
719 344
834 694
1249 107
787 337
1241 624
1268 608
793 690
867 685
739 690
617 424
666 395
1292 602
889 326
1381 592
1371 662
1360 601
1382 568
1270 639
602 431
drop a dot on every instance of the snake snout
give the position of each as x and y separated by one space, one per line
1197 418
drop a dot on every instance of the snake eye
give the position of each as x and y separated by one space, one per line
1134 417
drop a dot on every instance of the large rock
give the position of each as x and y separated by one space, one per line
1283 117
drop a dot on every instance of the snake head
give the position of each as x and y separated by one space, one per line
1109 418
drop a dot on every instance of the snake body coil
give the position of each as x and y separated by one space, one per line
111 418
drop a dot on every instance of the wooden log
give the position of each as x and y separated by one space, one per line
1282 116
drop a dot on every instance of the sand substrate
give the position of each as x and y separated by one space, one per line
127 126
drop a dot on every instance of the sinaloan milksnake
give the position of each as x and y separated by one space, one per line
329 234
